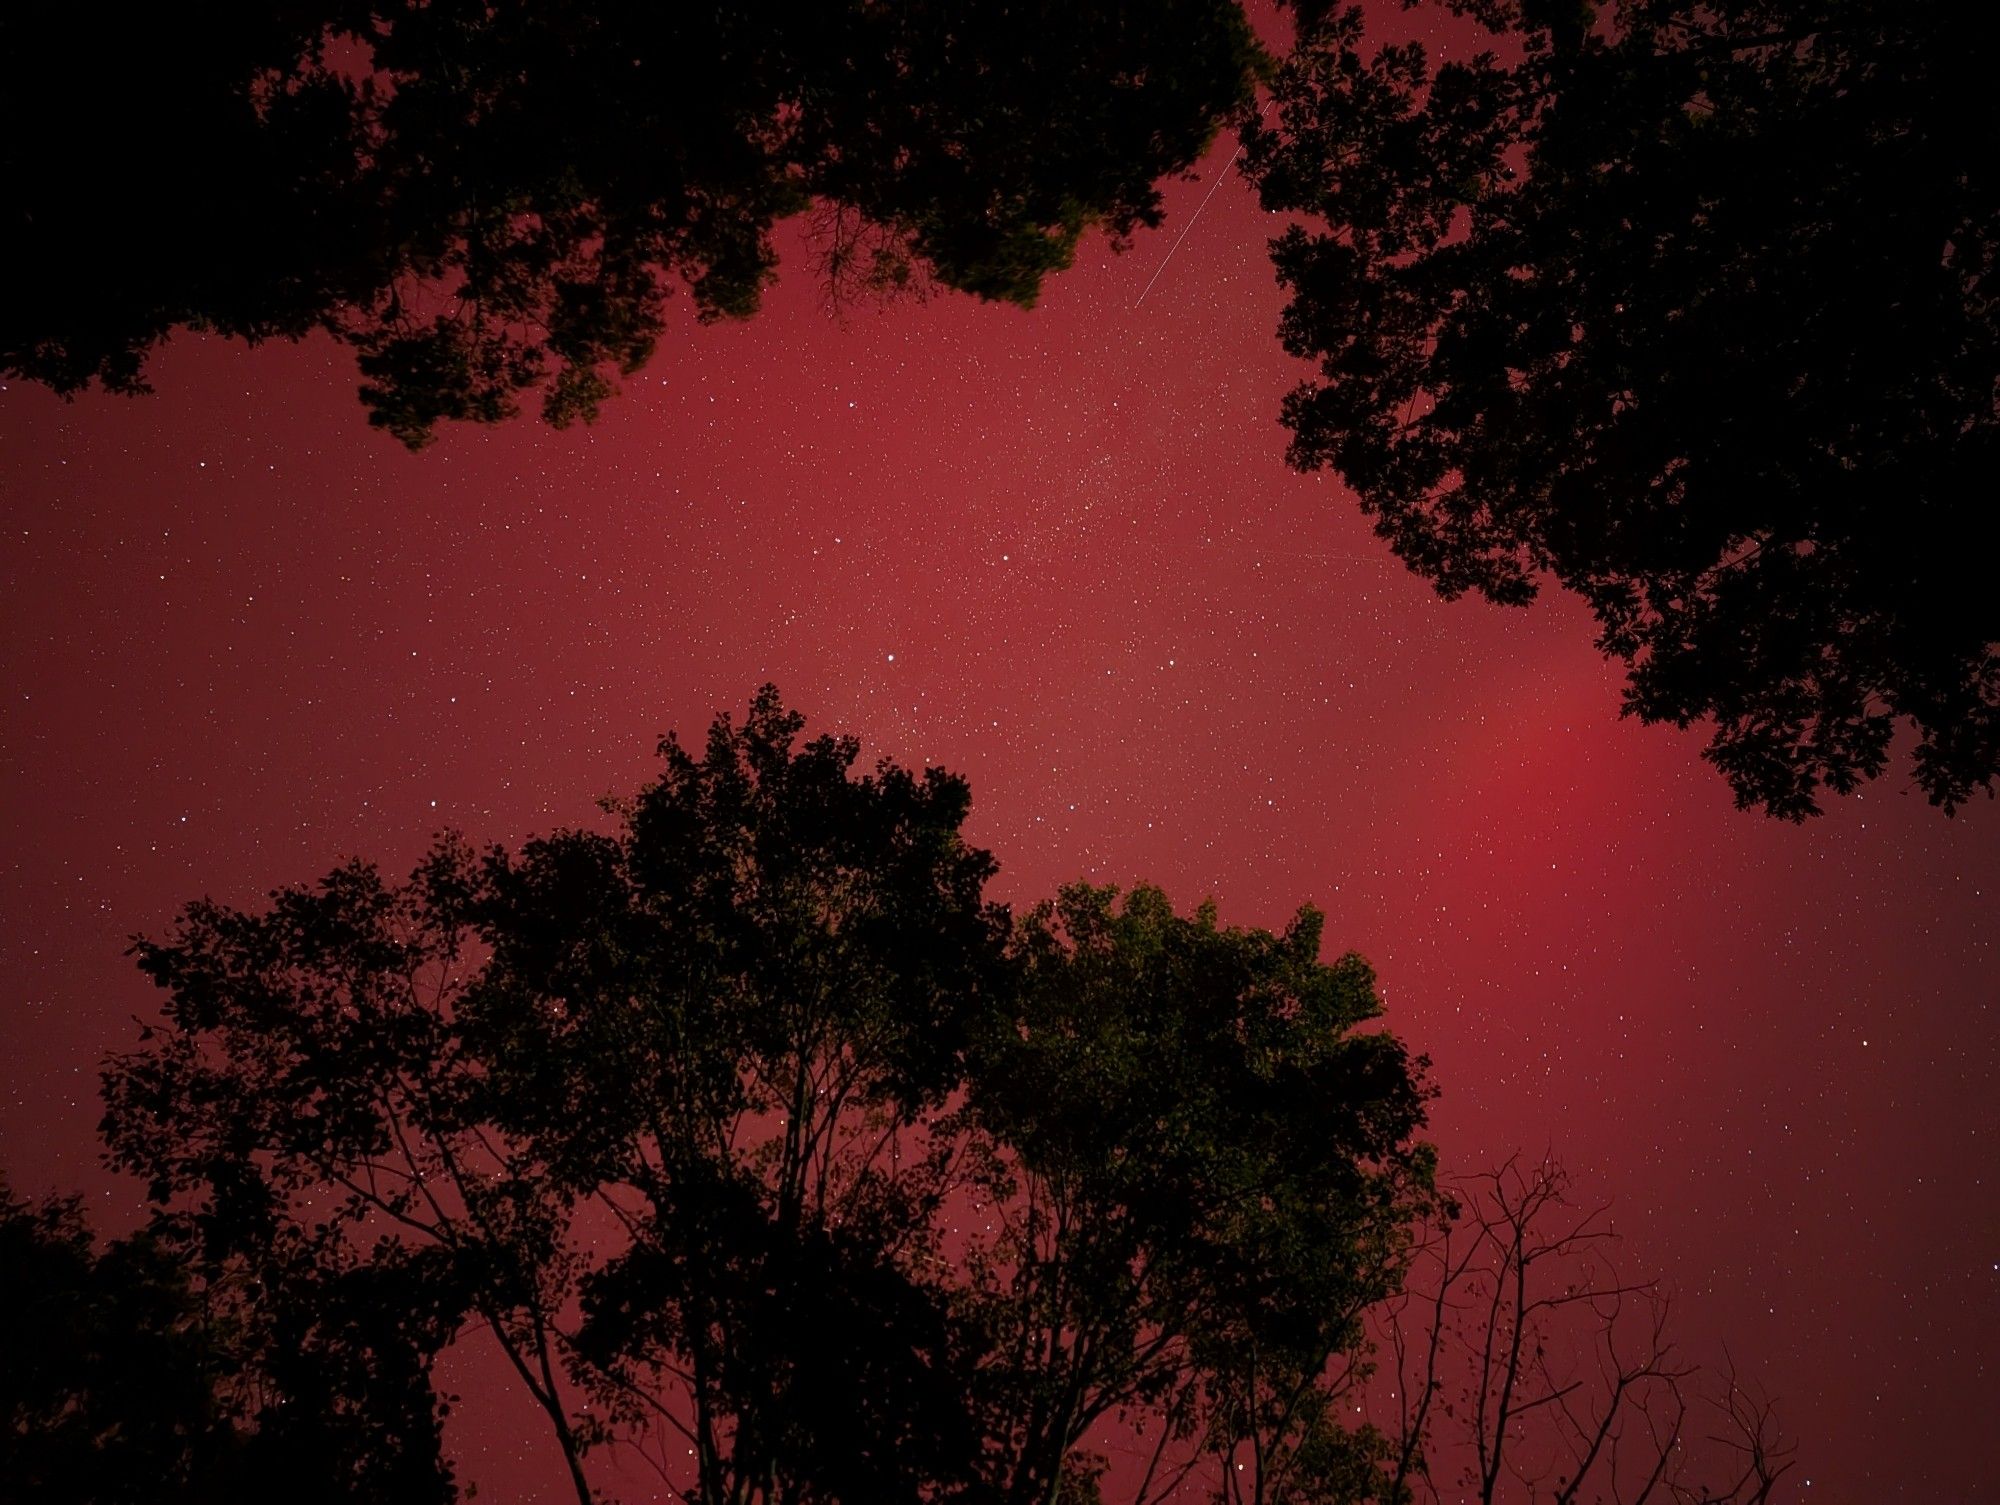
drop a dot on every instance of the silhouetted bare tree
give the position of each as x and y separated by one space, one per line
1519 1364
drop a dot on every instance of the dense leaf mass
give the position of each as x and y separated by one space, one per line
1206 1169
1690 306
104 1389
126 1379
487 199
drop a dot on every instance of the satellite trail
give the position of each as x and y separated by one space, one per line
1227 167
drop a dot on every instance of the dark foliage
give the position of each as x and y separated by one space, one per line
486 200
107 1376
128 1379
1204 1170
1691 307
764 1146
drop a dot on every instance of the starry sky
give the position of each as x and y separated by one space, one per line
245 638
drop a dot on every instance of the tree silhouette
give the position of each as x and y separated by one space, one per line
727 1030
127 1378
1201 1171
105 1367
1689 307
766 1148
492 199
1520 1363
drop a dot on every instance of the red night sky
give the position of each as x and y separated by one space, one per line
245 637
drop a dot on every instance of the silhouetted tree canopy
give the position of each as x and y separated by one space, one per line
761 1143
1691 307
1203 1174
128 1379
495 198
105 1367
